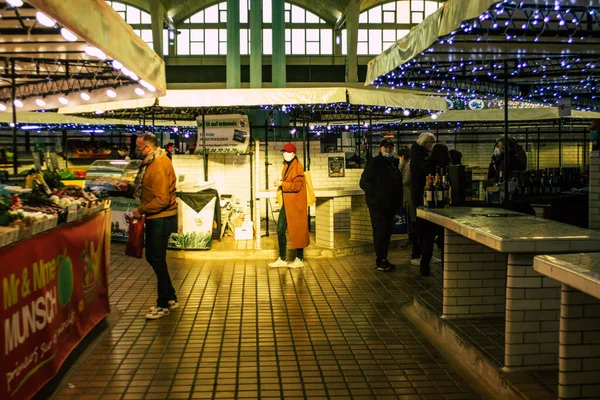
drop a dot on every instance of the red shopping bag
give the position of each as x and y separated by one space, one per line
135 242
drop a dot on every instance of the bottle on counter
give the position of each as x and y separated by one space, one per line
439 192
428 193
446 189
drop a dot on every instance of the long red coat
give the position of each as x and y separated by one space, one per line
294 201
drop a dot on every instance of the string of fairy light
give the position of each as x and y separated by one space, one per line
539 78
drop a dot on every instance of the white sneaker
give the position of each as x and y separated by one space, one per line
416 262
172 304
298 263
158 313
279 263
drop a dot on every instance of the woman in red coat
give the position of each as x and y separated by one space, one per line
294 210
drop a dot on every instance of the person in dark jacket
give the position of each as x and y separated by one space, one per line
418 155
382 184
517 159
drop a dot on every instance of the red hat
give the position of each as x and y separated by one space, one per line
289 147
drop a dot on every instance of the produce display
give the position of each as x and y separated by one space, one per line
68 174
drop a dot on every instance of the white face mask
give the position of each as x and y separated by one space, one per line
288 156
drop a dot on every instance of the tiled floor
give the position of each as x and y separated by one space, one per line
330 330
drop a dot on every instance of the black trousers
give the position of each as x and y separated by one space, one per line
158 231
382 222
429 234
281 238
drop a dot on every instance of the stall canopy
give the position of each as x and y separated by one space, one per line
56 52
547 51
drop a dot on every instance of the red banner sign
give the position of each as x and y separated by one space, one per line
53 292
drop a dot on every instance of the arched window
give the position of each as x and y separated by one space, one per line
141 22
205 33
381 26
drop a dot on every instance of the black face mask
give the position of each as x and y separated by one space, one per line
137 155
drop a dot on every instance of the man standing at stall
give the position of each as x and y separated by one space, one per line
382 183
155 188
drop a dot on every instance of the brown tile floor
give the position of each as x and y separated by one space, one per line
330 330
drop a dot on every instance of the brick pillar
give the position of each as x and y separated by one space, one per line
579 345
324 228
594 217
360 220
532 315
474 279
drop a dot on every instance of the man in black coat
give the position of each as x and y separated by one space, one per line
418 156
382 184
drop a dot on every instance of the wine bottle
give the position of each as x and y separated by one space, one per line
446 190
439 192
428 195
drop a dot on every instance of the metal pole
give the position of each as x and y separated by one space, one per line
204 145
267 176
560 143
14 118
538 149
506 144
359 141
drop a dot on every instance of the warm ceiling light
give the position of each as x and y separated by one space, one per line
18 103
139 91
111 93
44 19
94 52
40 102
68 35
85 96
63 100
117 65
2 107
99 112
406 113
150 87
434 116
15 3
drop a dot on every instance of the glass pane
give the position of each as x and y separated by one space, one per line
223 48
430 7
197 18
183 42
211 35
197 48
222 6
267 14
147 35
363 35
312 35
363 18
375 41
389 17
267 40
400 33
288 35
118 6
389 35
312 18
222 35
244 8
222 16
122 14
298 41
287 6
288 48
389 6
312 48
287 16
146 18
326 41
165 42
298 15
417 5
211 14
417 17
196 35
138 32
133 15
244 41
403 12
344 41
211 47
387 45
363 49
375 15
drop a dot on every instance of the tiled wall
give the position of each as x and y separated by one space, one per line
594 222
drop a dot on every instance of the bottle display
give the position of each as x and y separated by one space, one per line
549 181
428 194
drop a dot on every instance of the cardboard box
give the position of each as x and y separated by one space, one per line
244 232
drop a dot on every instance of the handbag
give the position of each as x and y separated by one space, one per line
311 199
135 242
401 222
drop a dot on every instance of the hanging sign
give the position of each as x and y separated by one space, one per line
225 134
564 107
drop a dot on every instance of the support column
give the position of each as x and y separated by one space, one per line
256 49
532 317
324 222
579 347
474 279
352 14
234 70
157 14
360 220
278 63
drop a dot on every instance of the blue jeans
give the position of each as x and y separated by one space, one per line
158 231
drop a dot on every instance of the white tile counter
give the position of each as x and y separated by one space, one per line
579 343
488 260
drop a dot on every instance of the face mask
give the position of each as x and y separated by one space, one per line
593 136
137 154
288 156
387 154
496 152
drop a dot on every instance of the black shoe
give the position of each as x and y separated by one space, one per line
385 266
